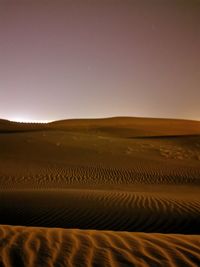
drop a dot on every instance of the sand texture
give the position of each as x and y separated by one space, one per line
104 192
103 210
38 247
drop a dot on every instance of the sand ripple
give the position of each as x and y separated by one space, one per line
37 247
102 210
53 177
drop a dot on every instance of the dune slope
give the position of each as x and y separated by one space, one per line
37 247
102 176
162 212
115 126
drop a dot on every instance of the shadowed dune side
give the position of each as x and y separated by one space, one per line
103 210
37 247
7 126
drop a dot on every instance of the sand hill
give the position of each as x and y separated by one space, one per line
131 185
37 247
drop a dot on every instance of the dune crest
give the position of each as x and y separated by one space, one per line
114 126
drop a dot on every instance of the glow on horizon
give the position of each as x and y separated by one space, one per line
23 120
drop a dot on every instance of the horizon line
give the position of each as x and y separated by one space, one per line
21 120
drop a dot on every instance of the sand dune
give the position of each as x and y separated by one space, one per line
116 126
109 175
58 159
86 175
159 212
131 127
37 247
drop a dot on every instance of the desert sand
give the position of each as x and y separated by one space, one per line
24 246
102 192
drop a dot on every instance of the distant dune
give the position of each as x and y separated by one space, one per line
133 127
37 247
106 175
117 126
59 154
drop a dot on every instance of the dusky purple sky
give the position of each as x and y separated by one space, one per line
99 58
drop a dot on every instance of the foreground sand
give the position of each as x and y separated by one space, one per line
38 247
104 176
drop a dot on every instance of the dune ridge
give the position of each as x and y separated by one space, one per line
37 247
114 126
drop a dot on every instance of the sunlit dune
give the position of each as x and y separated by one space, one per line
58 247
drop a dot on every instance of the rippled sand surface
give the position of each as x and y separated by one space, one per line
37 247
110 192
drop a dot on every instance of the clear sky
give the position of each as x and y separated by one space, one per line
99 58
